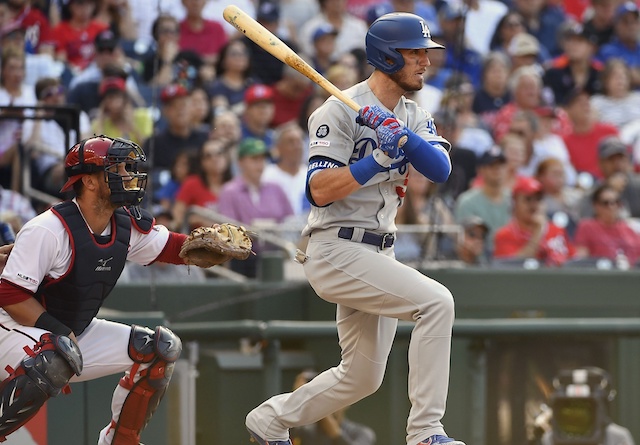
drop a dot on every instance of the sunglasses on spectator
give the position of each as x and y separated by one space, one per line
51 91
609 202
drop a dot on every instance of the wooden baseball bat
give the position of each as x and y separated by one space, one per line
276 47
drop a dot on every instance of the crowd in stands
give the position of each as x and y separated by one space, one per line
540 100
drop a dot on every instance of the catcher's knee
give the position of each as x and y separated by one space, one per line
160 349
44 373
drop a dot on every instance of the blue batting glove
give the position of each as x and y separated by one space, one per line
372 116
391 137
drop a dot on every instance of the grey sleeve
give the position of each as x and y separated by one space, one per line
426 129
332 131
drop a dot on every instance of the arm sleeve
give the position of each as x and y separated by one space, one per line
429 158
171 249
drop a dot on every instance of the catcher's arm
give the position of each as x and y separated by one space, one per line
210 246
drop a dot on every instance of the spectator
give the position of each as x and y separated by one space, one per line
205 37
289 93
13 203
202 188
351 30
74 36
247 198
587 132
491 200
559 200
618 104
514 148
524 50
258 114
38 65
625 44
265 68
226 127
12 92
529 234
542 20
493 93
459 97
184 165
463 161
145 13
324 45
233 76
22 15
607 235
201 109
507 27
459 56
117 14
336 428
342 76
117 117
599 21
471 245
481 20
158 68
179 135
290 170
547 144
46 137
189 69
576 67
525 124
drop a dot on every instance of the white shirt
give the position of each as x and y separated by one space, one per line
292 185
213 11
9 128
46 235
350 36
480 24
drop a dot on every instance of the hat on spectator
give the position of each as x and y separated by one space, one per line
172 91
378 10
105 40
523 44
252 147
611 146
494 154
324 30
526 185
258 93
571 28
268 12
452 10
109 84
474 221
628 6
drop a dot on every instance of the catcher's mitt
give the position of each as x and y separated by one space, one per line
208 246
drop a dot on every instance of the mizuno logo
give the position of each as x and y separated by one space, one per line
102 265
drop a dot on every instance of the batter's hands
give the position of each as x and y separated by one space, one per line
391 136
372 116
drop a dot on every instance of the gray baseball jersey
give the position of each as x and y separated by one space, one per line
335 134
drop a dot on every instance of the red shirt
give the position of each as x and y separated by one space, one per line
36 26
288 109
605 241
504 116
583 148
194 192
554 249
206 42
77 44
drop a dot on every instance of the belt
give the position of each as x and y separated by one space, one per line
383 241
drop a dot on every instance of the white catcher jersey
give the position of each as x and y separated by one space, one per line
334 133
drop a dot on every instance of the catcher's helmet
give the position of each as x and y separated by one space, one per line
102 153
393 31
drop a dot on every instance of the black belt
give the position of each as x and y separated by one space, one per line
383 241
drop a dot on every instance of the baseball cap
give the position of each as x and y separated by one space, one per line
526 186
324 30
111 84
105 40
523 44
258 92
571 28
628 6
252 147
172 91
378 10
452 10
473 221
610 146
494 154
268 12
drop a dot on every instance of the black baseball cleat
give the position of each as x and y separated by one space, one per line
260 441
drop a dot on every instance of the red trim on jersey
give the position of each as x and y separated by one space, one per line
11 293
171 250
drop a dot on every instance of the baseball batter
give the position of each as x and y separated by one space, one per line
357 178
63 265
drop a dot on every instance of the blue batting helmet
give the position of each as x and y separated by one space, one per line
397 30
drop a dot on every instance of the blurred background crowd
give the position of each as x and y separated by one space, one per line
539 98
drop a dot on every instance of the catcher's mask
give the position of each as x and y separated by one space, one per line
102 153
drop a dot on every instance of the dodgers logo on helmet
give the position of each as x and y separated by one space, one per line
393 31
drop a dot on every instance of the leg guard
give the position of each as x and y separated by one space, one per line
43 374
160 348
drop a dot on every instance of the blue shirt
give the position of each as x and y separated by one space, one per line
616 49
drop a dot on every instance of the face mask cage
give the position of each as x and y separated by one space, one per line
126 183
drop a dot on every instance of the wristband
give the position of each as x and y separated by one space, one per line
49 323
366 168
